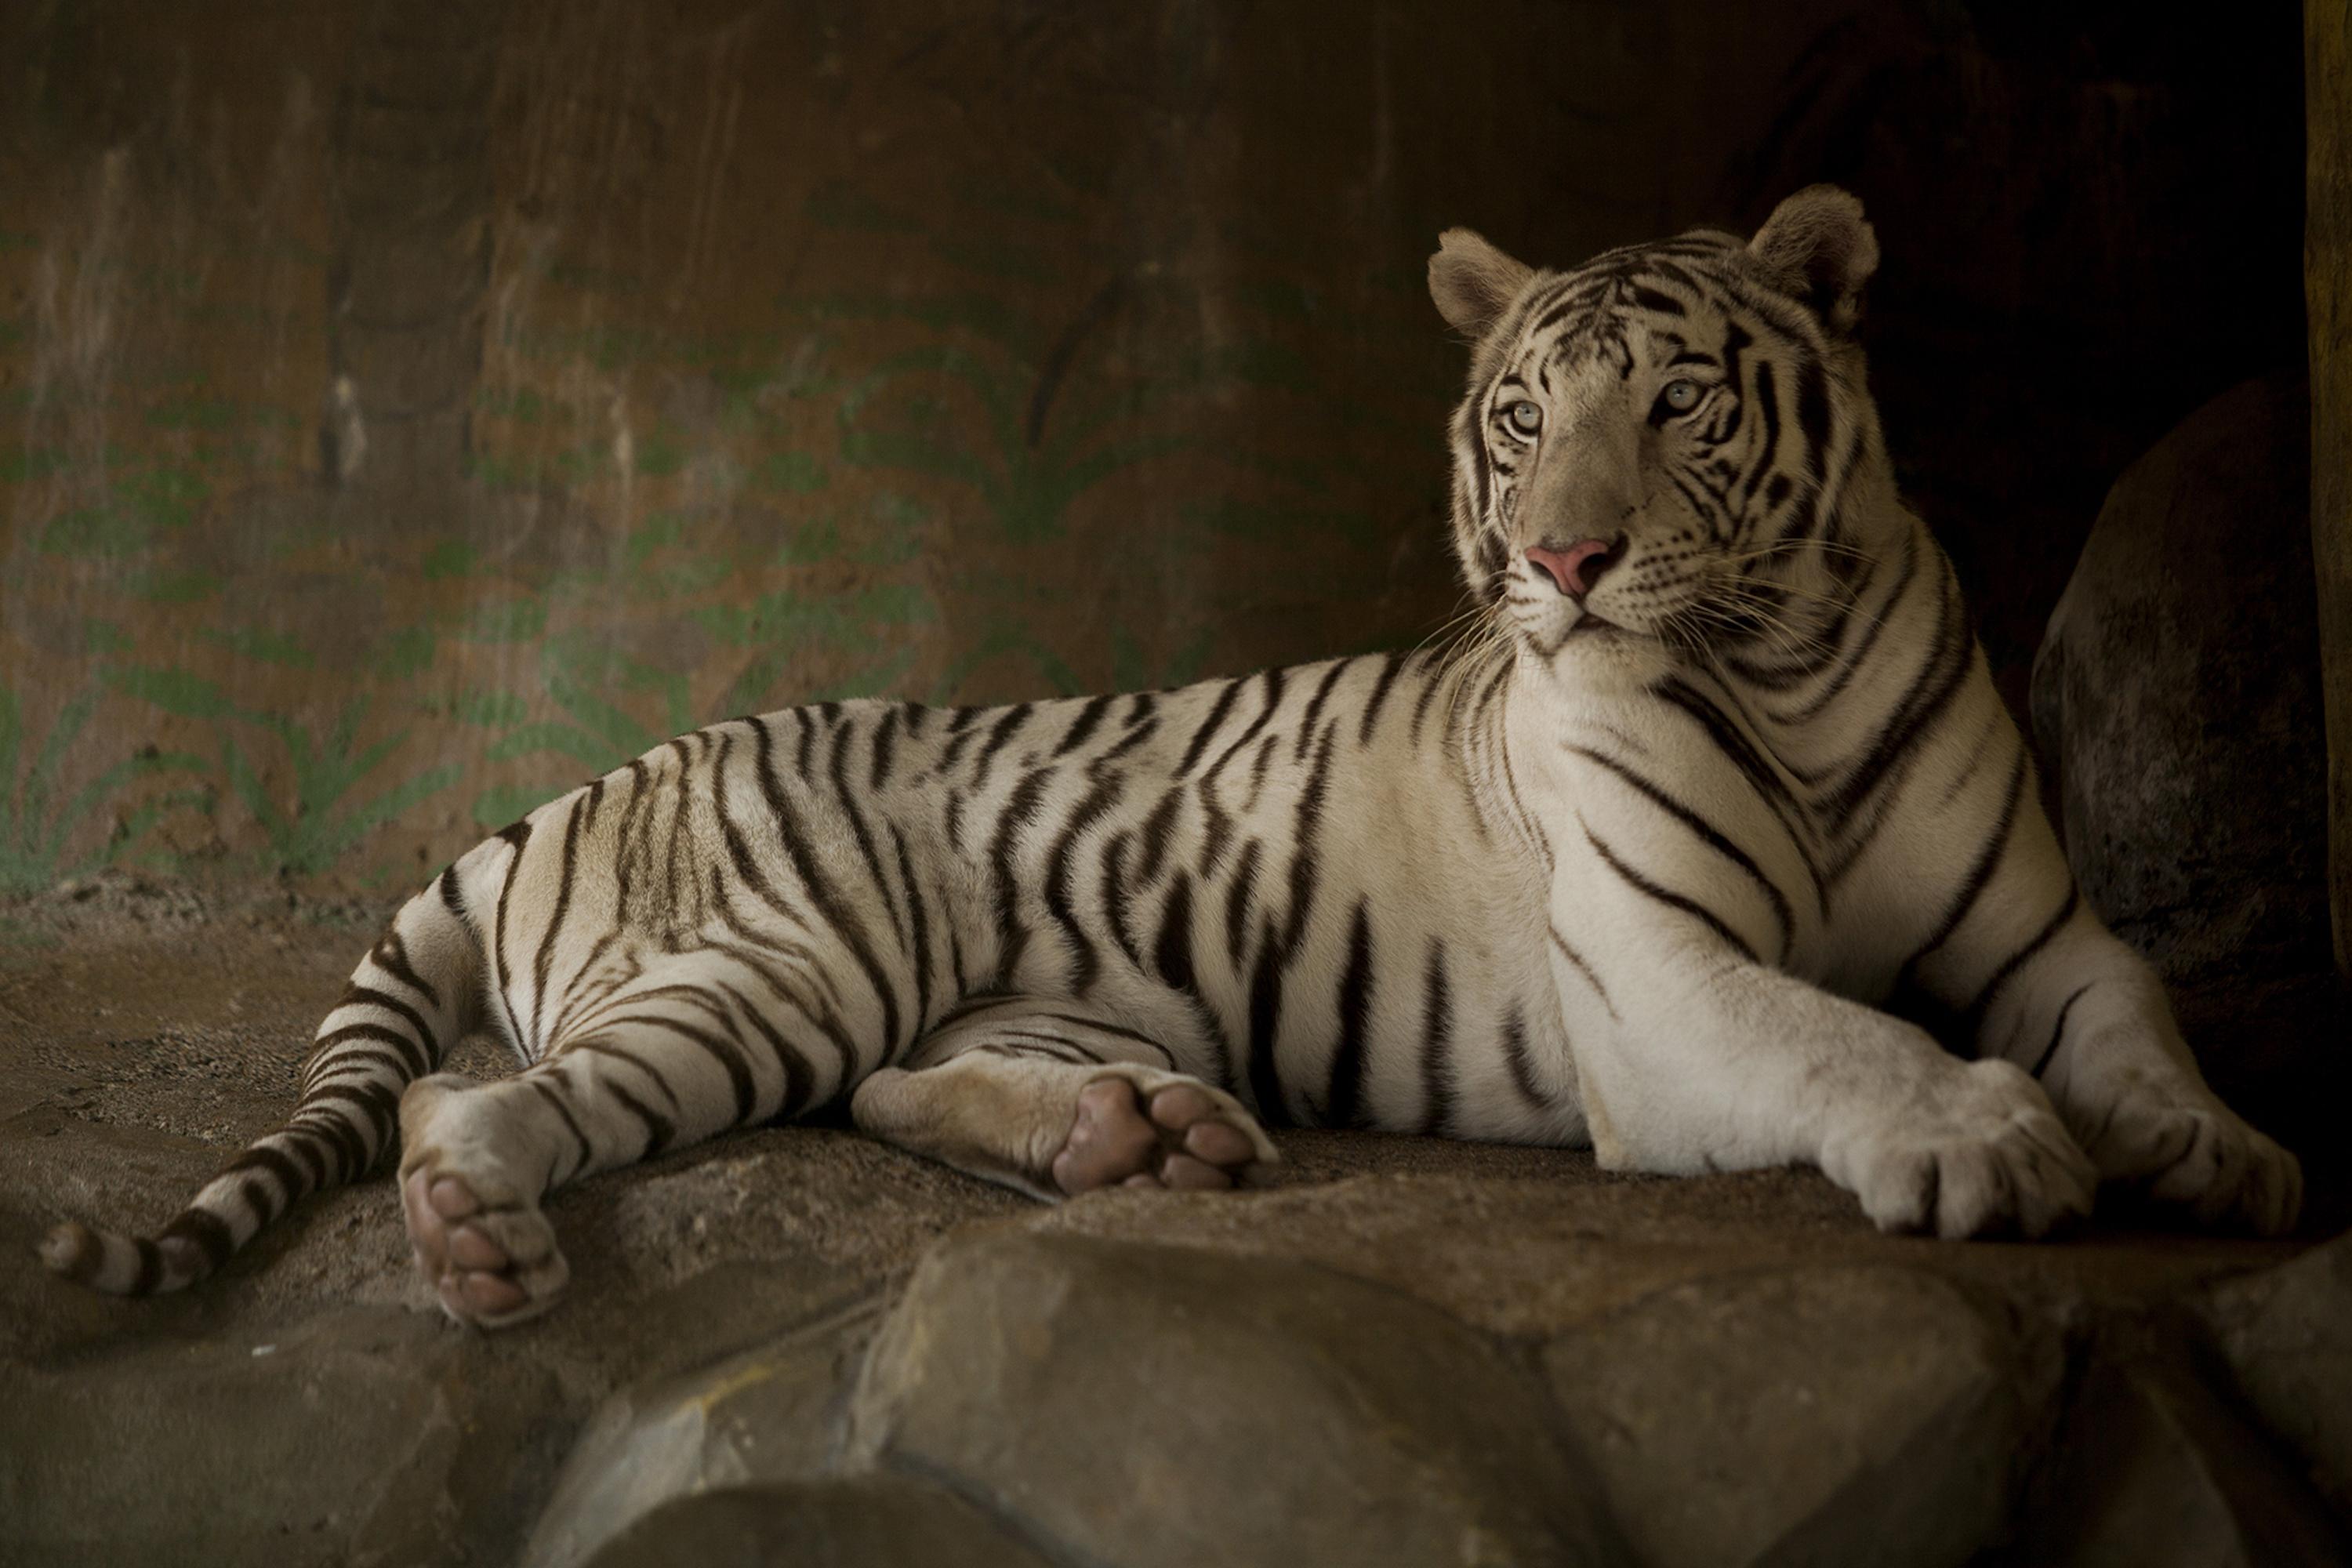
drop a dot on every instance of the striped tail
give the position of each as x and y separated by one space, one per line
418 990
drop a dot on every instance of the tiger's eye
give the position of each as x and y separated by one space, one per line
1682 396
1525 417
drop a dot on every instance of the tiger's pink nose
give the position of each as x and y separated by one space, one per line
1577 568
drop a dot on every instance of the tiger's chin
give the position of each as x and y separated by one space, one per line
1590 645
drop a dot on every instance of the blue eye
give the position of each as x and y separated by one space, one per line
1525 417
1682 396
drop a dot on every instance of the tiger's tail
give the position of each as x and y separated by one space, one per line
417 991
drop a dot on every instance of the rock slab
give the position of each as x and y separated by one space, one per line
1145 1404
1806 1416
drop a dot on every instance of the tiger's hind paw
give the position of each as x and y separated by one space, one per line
1177 1133
491 1263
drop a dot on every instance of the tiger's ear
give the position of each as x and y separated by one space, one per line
1472 281
1820 250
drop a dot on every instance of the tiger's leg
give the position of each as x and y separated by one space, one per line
1054 1098
699 1043
2053 991
1692 1054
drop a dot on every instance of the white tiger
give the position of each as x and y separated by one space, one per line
1722 770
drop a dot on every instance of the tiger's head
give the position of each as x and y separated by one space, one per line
1672 443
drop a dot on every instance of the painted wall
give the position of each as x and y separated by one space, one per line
407 409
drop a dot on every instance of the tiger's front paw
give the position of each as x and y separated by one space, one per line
2184 1146
1978 1151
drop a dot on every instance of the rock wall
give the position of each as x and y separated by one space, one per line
408 410
2328 274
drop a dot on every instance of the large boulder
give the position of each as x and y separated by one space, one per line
1820 1414
2176 697
1147 1405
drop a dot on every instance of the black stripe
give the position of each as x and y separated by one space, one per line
836 912
1576 959
2058 1031
518 835
1387 676
1155 835
998 737
570 1122
1521 1062
1011 932
1264 1022
307 1146
727 1053
1115 891
207 1230
1769 784
1707 834
1086 962
1239 896
356 994
1813 415
920 919
323 1048
359 1061
1988 860
391 954
1119 1030
1643 885
451 897
580 807
1171 951
1084 725
1217 711
863 838
1990 991
886 749
1436 1046
373 1100
261 1157
659 1130
1860 656
1314 706
1342 1100
1268 702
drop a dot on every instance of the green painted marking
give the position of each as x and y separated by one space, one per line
658 456
483 706
794 473
897 603
404 653
268 647
172 587
504 621
23 464
816 539
193 413
502 803
174 691
91 532
449 558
